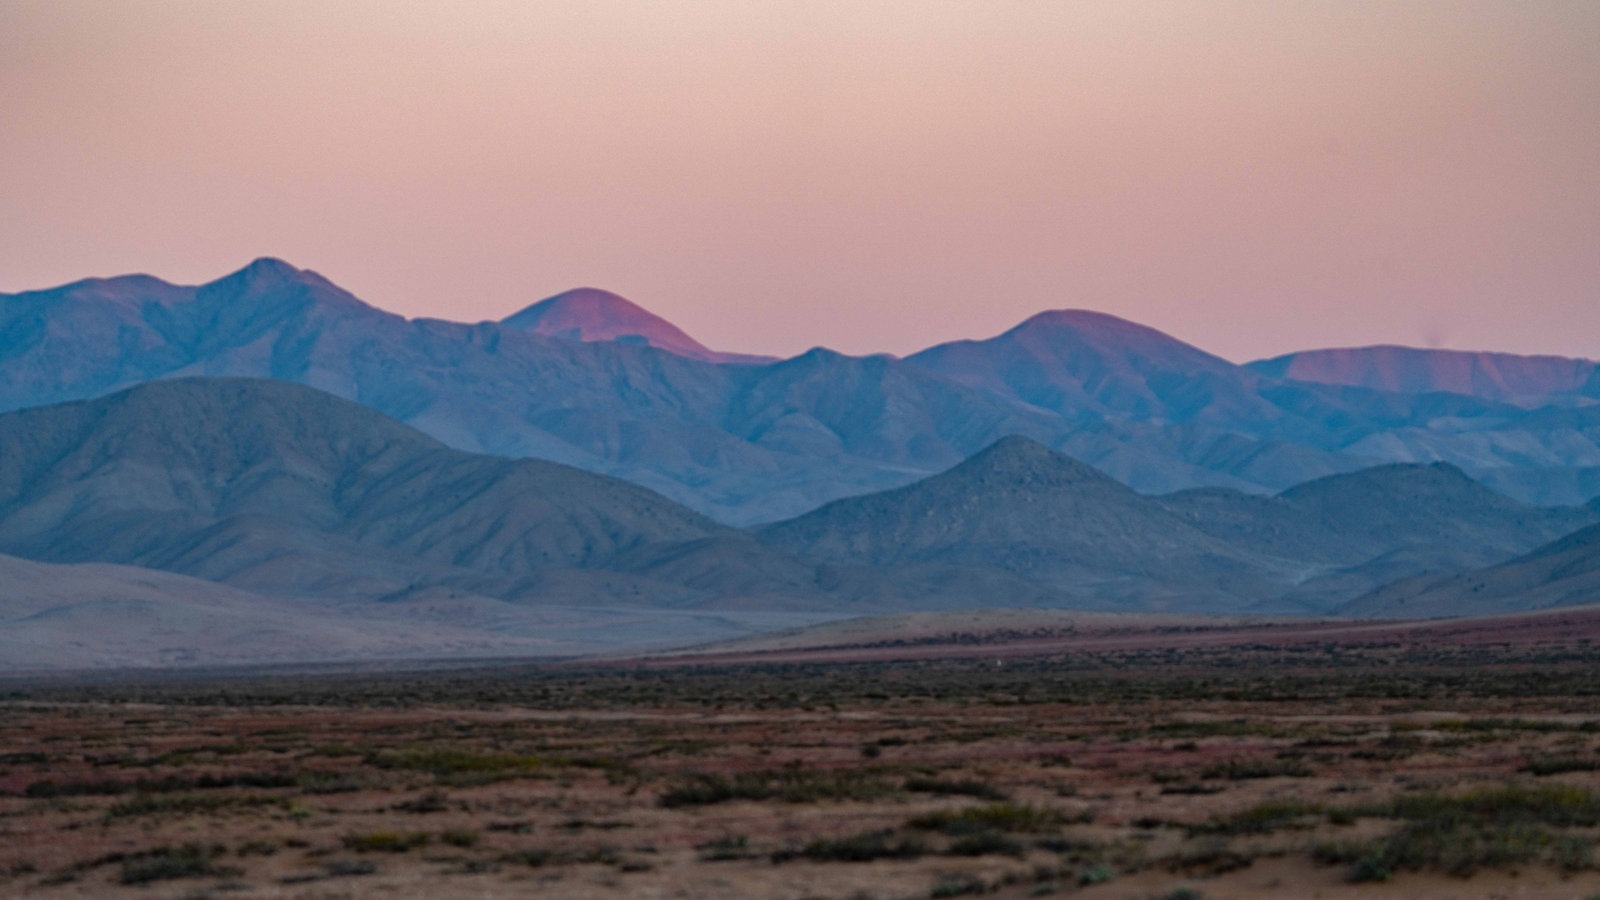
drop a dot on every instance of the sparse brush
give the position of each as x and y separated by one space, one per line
788 785
966 787
1242 769
165 863
1007 817
385 841
1262 818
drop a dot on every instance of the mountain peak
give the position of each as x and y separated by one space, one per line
1110 333
268 270
592 315
1081 318
1024 460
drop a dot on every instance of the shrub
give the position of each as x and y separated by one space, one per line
958 886
788 785
1260 819
1557 765
985 843
966 787
1490 828
165 863
725 848
1010 817
1242 769
864 847
385 841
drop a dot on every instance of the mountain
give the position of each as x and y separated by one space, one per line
1504 377
1354 531
1357 516
740 442
1020 508
281 489
590 314
1565 572
1070 361
757 443
1064 526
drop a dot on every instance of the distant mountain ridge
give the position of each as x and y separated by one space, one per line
1531 380
761 442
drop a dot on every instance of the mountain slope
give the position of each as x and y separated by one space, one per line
1020 508
1078 360
283 489
1357 516
1565 572
1506 377
590 314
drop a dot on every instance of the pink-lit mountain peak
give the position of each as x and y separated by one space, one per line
1081 329
593 315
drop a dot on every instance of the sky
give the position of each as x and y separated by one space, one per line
1252 177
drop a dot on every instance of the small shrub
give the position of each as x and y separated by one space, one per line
864 847
1008 817
385 841
788 785
348 868
1242 769
725 848
459 837
430 802
957 886
166 863
1260 819
1560 764
985 843
966 787
1098 873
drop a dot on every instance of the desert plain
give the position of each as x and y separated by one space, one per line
1019 755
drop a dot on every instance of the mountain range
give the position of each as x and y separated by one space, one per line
283 497
584 476
591 380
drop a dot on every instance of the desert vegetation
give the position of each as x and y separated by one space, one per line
1165 772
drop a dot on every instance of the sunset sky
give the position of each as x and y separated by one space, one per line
870 176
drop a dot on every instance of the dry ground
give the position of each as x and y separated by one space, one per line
1380 766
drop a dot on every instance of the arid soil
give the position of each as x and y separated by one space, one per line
1379 766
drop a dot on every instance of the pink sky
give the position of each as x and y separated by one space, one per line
1252 177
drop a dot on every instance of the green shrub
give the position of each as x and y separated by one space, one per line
385 841
1262 818
1501 827
1008 817
787 785
985 843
